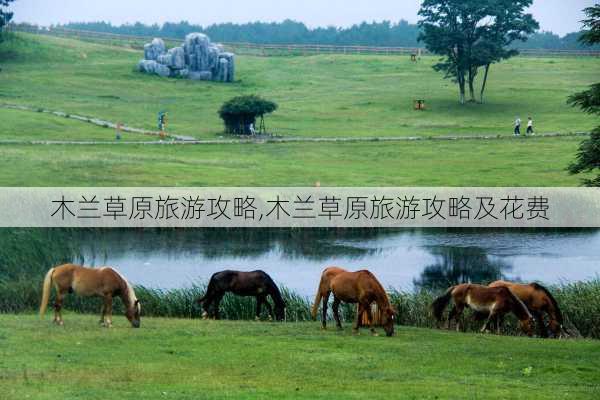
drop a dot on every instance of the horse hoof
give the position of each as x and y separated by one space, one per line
375 333
257 318
61 323
204 315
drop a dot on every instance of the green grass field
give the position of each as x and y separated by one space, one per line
194 359
531 162
328 95
319 96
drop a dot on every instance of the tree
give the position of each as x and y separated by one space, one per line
5 15
588 155
471 34
239 112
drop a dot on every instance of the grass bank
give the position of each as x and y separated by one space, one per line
525 162
191 359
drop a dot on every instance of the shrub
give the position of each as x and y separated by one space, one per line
239 112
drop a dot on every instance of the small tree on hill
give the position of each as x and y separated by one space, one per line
240 113
588 156
471 34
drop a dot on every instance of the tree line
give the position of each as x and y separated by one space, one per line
385 33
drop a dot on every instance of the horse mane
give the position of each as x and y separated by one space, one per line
559 316
276 293
519 302
380 287
130 292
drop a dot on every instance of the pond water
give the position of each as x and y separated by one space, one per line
402 259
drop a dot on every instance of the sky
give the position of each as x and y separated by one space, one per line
559 16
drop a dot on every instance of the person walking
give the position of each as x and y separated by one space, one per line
530 126
518 127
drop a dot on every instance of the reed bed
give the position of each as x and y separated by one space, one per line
579 301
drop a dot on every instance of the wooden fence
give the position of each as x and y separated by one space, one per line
268 50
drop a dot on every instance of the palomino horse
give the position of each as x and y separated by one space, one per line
354 287
482 299
255 283
104 282
539 301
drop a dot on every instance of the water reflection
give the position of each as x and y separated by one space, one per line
403 259
456 265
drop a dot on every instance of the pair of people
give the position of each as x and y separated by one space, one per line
529 127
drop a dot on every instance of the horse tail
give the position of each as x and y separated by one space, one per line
46 288
439 305
559 316
315 306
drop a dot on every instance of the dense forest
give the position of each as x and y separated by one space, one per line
385 33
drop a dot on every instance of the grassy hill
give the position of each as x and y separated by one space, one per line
319 96
327 95
191 359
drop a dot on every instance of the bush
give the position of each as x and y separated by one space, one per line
239 112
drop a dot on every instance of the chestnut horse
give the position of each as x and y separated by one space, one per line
253 283
354 287
539 301
104 282
494 302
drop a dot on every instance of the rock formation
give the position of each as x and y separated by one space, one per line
196 59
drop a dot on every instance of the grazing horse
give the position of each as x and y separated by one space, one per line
538 300
254 283
103 282
482 299
354 287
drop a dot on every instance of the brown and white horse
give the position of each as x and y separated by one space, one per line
104 282
354 287
495 302
538 300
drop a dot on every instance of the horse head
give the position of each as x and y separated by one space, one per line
133 313
280 311
388 319
527 325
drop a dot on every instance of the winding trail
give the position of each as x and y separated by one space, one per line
189 140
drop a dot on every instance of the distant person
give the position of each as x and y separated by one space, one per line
530 126
518 127
251 129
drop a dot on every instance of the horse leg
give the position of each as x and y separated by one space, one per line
499 323
259 301
539 320
216 304
269 309
371 320
206 307
336 315
58 307
488 321
108 301
102 313
324 310
360 311
455 314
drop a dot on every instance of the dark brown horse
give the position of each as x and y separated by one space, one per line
482 299
104 282
354 287
254 283
539 301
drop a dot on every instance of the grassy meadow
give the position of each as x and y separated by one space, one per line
319 96
191 359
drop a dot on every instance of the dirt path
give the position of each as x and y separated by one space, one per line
180 139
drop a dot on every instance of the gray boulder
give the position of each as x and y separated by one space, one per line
154 49
197 58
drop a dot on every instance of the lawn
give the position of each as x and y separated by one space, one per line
192 359
510 162
319 96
